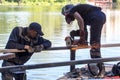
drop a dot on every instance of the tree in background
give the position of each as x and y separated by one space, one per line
46 1
1 1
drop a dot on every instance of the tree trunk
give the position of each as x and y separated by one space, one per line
19 1
1 1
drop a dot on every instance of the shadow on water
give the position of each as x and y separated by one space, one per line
55 29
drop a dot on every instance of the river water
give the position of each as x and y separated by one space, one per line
55 29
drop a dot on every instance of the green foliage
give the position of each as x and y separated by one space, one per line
9 0
114 0
59 0
39 2
118 1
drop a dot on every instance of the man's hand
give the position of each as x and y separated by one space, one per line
82 41
29 49
82 34
38 48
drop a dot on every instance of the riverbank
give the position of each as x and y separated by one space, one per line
48 4
31 3
37 3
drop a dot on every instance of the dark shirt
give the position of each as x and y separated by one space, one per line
18 40
85 11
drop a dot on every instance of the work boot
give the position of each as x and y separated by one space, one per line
96 69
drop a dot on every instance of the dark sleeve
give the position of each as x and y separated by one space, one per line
13 41
46 43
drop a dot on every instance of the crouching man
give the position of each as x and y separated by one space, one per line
28 38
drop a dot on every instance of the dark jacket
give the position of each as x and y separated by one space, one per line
18 40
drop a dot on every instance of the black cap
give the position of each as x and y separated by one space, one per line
36 27
67 8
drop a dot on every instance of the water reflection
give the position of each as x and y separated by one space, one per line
112 26
55 29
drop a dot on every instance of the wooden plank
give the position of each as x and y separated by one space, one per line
7 56
56 64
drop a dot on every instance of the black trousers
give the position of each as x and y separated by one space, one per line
96 20
95 38
12 74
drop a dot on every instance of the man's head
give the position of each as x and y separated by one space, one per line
66 9
66 12
35 30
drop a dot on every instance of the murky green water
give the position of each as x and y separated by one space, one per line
56 30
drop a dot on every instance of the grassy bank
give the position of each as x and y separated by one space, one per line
42 3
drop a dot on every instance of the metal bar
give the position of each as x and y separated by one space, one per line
10 50
102 46
56 64
61 48
72 57
16 50
111 45
58 48
55 48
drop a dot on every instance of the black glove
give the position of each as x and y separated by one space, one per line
38 48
